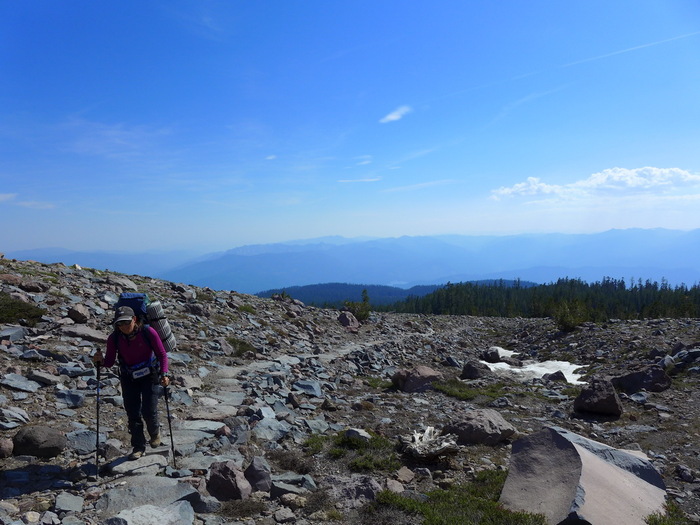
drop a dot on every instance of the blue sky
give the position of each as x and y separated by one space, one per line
209 125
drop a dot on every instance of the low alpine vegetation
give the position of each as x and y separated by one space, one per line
360 455
15 311
469 504
240 346
460 390
673 516
241 508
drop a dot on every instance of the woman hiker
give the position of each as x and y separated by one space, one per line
142 360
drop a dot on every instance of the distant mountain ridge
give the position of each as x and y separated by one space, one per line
335 294
144 263
410 261
403 262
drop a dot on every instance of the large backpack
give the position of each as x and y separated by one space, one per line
150 313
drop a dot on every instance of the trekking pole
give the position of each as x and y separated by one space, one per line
97 436
170 426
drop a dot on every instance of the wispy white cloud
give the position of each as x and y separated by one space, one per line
420 185
397 114
200 20
271 157
36 205
609 182
115 141
368 179
11 198
508 108
416 155
630 49
363 160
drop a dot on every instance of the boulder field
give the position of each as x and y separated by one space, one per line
258 382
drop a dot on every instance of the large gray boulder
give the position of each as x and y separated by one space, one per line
474 369
419 379
483 426
85 332
349 321
599 397
651 378
258 474
571 479
227 482
144 490
492 355
178 513
79 313
40 441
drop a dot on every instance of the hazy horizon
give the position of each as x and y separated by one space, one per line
310 240
205 126
647 254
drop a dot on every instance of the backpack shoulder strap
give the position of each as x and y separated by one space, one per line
145 331
115 337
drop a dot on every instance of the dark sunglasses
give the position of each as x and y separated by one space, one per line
124 323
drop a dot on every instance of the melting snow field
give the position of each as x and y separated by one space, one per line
535 370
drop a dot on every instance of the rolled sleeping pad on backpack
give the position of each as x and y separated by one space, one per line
170 344
156 318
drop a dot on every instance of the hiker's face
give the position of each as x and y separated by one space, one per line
127 327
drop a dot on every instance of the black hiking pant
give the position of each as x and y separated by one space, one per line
141 404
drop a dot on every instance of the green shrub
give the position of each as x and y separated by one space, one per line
360 310
375 454
240 346
470 504
314 444
571 391
205 296
460 390
378 453
569 315
241 508
378 383
334 515
247 308
290 460
372 461
321 500
13 310
674 516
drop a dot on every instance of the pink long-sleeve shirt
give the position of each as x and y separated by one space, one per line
136 350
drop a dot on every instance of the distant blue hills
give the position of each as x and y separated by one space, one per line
147 264
405 262
336 294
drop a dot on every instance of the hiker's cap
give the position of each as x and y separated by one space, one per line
124 313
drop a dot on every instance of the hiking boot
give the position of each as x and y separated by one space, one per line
136 454
155 440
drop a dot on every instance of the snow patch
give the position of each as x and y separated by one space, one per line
535 370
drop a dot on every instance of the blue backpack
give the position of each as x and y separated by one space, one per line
149 313
138 302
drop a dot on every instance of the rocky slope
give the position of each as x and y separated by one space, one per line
255 379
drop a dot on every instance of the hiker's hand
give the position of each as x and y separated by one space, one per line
165 381
98 359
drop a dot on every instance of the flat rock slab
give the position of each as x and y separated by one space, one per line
144 490
201 425
182 437
149 464
571 479
180 513
215 413
205 462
